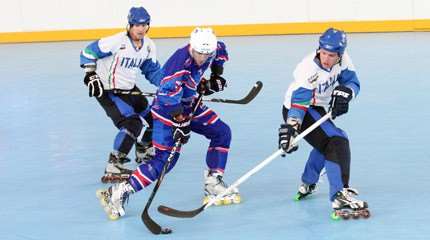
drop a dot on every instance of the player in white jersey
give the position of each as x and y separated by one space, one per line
112 65
324 80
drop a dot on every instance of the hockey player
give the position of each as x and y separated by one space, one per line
111 66
183 79
323 80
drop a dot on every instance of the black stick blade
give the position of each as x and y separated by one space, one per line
152 225
248 98
178 213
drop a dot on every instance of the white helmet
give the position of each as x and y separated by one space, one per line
203 40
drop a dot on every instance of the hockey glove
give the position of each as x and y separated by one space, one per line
287 132
215 84
339 102
181 129
95 86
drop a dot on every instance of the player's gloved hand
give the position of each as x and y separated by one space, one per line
215 84
181 129
287 132
95 86
339 102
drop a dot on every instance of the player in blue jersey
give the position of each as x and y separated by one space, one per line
183 80
323 80
112 65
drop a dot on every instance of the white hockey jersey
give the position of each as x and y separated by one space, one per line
313 85
119 62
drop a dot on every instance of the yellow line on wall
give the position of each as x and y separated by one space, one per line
226 30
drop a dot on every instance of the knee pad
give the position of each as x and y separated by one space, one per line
133 125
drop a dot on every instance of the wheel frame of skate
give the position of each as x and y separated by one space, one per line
347 214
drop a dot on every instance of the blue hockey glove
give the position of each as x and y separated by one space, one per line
340 98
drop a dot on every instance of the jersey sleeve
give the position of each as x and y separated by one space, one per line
302 91
99 49
221 55
348 76
170 90
151 67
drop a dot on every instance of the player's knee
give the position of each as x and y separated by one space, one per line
224 133
337 150
133 125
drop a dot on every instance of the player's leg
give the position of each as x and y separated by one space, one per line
207 123
122 114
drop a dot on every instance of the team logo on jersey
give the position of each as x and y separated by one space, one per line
313 78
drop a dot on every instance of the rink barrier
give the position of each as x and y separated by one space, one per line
225 30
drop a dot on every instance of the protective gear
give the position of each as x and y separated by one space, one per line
138 15
181 129
203 40
287 132
95 86
215 84
114 198
339 102
333 40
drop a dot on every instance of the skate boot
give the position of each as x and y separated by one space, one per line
144 152
214 185
114 198
115 170
304 191
346 206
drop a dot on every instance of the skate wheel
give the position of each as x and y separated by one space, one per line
113 217
345 215
205 200
365 213
104 180
297 197
334 216
227 201
237 199
218 202
356 215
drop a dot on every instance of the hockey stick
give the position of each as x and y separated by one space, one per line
154 227
245 100
189 214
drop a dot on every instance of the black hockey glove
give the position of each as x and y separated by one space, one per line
215 84
287 132
95 86
339 102
181 129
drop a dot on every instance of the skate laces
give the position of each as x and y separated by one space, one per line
348 194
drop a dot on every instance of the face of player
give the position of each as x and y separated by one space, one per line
199 58
138 31
328 59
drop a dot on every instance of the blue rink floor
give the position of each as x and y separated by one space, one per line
54 143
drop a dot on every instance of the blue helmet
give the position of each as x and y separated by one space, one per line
138 15
333 40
